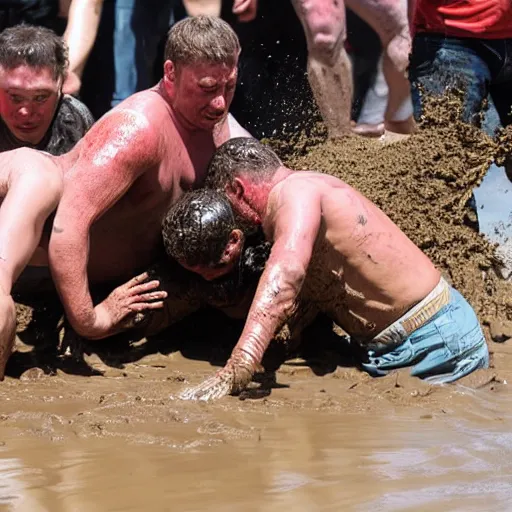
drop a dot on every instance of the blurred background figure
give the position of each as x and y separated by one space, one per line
466 45
77 20
34 112
370 96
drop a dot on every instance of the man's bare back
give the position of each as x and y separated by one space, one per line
352 274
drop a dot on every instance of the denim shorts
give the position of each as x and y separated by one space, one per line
448 346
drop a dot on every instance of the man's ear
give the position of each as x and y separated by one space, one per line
235 189
169 71
233 247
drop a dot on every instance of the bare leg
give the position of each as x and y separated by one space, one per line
329 68
371 119
390 19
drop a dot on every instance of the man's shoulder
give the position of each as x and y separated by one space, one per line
81 110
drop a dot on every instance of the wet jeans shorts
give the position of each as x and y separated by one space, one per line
448 346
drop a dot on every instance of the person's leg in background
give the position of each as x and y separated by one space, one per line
438 63
370 89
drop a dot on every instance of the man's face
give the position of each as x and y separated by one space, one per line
202 93
211 273
28 99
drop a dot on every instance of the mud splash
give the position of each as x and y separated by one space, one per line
424 184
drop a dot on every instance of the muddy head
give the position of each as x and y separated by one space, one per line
205 236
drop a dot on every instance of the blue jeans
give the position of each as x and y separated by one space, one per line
140 26
481 67
128 52
447 347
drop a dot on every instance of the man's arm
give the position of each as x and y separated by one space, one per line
295 232
82 27
117 150
246 10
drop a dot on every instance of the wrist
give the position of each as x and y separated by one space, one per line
85 325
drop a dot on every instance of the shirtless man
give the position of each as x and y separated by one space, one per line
337 253
329 68
132 165
119 182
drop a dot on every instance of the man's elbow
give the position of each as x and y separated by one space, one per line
288 277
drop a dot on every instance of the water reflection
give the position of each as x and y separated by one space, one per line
300 460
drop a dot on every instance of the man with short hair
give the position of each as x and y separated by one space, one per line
130 168
33 111
334 252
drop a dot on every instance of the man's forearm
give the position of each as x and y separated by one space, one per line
273 304
81 30
68 264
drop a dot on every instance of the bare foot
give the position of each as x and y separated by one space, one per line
403 127
369 130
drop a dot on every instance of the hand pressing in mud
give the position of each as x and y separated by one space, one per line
124 308
230 380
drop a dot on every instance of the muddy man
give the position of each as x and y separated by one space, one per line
339 254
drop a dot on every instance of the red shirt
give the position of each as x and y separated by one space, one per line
485 19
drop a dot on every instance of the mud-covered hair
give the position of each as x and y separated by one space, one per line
241 155
202 39
197 228
37 47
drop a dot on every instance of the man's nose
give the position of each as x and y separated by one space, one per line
219 102
25 110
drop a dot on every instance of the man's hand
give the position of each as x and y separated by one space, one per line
117 311
245 9
232 379
72 84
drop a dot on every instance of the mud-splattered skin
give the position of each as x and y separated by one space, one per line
341 255
127 171
329 68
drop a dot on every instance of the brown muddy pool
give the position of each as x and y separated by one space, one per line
334 442
108 433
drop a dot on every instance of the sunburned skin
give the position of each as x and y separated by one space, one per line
128 170
341 255
119 181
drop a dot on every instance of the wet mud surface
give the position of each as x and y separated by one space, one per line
313 431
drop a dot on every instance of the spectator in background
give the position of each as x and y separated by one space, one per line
128 53
34 112
468 45
370 96
77 20
82 26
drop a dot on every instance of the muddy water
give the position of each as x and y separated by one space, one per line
324 438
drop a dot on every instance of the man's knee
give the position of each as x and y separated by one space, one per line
325 46
324 25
